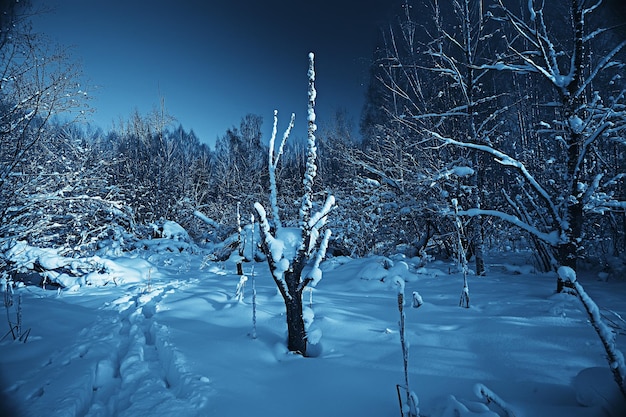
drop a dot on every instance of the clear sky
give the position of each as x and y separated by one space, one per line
215 61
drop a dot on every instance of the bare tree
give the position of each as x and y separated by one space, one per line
37 82
433 81
582 120
295 264
555 170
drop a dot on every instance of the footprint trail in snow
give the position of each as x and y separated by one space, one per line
122 365
150 374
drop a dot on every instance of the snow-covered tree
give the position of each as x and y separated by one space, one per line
537 108
147 164
37 82
239 163
62 196
431 83
294 255
396 204
588 111
163 172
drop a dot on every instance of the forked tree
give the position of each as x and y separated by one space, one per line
294 255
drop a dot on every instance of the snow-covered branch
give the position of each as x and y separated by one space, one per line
614 355
602 64
205 219
506 160
274 250
551 238
311 168
311 223
589 140
273 164
543 55
489 396
317 220
314 275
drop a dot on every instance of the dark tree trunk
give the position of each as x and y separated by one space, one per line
296 334
477 242
476 233
568 252
479 248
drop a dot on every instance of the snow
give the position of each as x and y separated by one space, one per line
176 341
70 272
317 217
172 230
567 274
576 124
461 171
289 238
399 283
316 275
205 218
595 388
417 300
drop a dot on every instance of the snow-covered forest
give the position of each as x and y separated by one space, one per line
145 272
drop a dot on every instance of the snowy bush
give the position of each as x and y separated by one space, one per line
49 267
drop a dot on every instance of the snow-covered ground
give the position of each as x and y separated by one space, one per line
177 342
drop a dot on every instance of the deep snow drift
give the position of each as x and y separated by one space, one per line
175 341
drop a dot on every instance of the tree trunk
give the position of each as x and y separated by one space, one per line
568 252
296 334
479 247
476 237
477 241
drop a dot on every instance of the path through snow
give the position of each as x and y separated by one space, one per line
120 364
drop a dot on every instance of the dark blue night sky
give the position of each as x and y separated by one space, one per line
213 62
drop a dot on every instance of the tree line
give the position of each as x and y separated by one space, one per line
513 110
